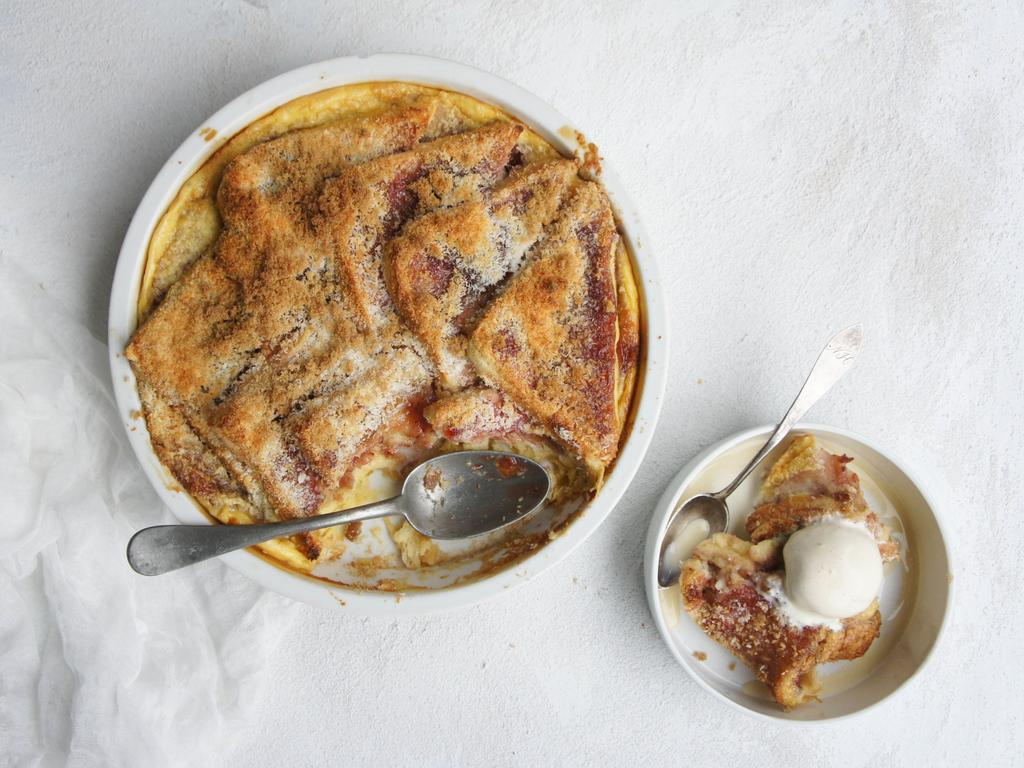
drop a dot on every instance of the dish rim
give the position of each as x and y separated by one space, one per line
432 72
668 501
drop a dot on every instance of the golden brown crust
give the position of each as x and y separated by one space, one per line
246 424
476 413
276 365
181 451
367 204
332 428
219 316
274 180
728 584
444 266
285 168
724 586
190 348
549 338
808 483
233 341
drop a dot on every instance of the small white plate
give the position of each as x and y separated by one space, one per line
915 599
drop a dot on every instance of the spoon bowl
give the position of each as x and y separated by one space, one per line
471 493
710 508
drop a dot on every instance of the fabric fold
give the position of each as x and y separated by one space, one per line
101 666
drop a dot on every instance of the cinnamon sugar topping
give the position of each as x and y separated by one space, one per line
383 284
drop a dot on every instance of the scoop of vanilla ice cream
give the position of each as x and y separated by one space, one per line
833 568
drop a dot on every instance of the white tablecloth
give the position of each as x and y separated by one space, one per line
800 166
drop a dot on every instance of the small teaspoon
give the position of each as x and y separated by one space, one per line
835 359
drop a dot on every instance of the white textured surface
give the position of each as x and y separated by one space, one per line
800 167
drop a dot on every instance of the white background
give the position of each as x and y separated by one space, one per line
800 167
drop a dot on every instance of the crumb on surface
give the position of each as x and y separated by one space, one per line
353 530
589 157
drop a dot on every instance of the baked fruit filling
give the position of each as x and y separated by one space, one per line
378 289
734 588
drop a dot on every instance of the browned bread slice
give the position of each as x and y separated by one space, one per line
262 189
724 586
333 429
182 451
549 339
192 348
366 204
476 413
808 483
443 266
246 427
208 327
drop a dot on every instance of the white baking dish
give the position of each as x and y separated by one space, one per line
426 71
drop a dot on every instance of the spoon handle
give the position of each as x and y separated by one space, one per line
835 359
164 548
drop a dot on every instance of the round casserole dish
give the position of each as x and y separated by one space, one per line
422 71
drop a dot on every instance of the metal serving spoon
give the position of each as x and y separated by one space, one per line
454 496
835 360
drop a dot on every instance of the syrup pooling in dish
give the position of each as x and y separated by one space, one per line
365 278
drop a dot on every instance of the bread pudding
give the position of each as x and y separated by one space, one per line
739 591
369 276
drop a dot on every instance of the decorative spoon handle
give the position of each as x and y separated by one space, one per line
164 548
835 359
